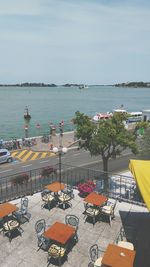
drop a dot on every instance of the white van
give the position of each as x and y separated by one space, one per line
5 156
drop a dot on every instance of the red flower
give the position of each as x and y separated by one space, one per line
86 187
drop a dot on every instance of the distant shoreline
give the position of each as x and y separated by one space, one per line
134 84
128 84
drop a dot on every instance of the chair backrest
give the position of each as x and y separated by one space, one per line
69 191
112 203
24 204
72 220
40 226
45 192
94 252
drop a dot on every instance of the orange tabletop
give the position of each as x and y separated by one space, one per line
116 256
60 232
95 199
6 209
55 187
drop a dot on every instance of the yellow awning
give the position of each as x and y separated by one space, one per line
141 172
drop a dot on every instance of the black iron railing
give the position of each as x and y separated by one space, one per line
30 182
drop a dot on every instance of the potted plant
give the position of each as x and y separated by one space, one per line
86 187
20 179
47 171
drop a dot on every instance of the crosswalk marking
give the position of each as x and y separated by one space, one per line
35 155
27 155
13 154
22 153
43 155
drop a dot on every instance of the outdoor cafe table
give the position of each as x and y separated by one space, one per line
116 256
6 209
95 199
55 187
60 232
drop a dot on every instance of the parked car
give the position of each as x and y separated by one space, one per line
5 156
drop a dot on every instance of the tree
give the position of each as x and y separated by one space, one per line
108 138
144 144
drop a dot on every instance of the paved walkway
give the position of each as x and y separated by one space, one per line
68 140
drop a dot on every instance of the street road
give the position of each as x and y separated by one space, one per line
77 158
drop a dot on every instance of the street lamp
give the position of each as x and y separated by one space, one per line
60 150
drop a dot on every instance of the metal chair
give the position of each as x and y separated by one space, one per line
91 211
22 215
94 255
47 198
64 199
10 226
56 252
43 242
94 252
73 221
108 210
69 191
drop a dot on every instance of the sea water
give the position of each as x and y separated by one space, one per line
54 104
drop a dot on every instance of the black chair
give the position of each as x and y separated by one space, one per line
47 198
69 191
64 200
56 252
91 211
22 215
108 210
40 227
10 227
73 221
95 257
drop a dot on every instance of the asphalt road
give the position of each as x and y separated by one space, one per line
76 158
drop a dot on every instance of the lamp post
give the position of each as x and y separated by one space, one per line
26 128
60 150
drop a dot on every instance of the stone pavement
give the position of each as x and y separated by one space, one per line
68 140
23 251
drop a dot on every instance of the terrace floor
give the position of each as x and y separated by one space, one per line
22 251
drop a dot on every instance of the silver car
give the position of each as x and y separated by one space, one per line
5 156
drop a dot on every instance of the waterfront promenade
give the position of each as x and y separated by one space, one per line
68 140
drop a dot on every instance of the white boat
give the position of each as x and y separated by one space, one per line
119 111
83 86
134 116
131 116
146 115
101 116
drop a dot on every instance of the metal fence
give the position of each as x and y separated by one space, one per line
118 186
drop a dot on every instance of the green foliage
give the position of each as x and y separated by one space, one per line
141 124
108 138
144 144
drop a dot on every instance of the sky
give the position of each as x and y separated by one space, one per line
74 41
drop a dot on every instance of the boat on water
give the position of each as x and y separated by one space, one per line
135 116
83 86
27 115
131 116
102 116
